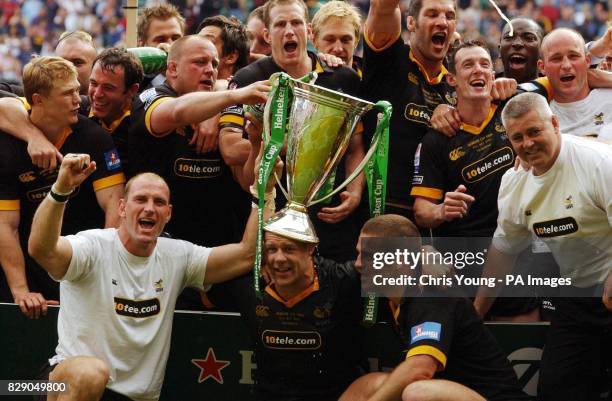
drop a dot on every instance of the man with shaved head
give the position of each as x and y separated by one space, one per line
580 110
161 140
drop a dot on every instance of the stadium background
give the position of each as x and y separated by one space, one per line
33 26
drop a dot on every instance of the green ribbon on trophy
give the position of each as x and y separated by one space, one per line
376 178
279 99
319 124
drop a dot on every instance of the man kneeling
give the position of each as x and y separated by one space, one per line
450 354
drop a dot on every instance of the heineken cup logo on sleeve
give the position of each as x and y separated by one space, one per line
317 124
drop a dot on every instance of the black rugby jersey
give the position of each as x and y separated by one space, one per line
476 157
23 185
337 241
119 131
201 184
394 74
341 79
308 347
449 330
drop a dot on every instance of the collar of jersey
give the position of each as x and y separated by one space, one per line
62 138
434 80
113 126
290 303
477 130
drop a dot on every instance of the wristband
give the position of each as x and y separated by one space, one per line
267 196
59 197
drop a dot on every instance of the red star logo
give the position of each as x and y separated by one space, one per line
210 367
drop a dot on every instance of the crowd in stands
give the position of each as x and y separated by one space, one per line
33 26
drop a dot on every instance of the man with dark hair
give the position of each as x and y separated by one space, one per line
114 81
230 38
52 91
454 187
450 355
411 77
519 52
259 47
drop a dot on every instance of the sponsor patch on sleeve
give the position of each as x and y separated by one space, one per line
112 160
425 331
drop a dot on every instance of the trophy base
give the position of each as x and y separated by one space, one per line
292 222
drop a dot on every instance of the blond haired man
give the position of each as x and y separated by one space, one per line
52 93
336 29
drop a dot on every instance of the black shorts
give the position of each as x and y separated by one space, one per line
109 395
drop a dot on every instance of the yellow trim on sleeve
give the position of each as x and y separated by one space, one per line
366 37
431 193
10 205
428 350
546 84
109 181
231 119
152 107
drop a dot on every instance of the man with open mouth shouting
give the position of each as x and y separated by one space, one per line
287 30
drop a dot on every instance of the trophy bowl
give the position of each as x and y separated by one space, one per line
318 128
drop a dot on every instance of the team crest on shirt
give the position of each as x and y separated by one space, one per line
451 99
321 313
27 177
425 331
599 118
262 311
568 202
158 285
456 153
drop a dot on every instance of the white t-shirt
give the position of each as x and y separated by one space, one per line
119 307
569 207
591 116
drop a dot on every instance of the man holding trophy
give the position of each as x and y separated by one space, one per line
308 313
287 30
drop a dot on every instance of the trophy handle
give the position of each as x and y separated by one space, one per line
384 108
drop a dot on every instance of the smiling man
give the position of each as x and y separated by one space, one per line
457 179
52 90
581 111
564 199
308 317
